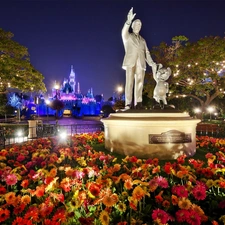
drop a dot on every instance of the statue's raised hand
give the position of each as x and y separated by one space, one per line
130 16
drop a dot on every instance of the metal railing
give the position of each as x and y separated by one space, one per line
212 130
46 130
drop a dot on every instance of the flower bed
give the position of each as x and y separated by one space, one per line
50 183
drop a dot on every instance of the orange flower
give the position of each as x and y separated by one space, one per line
138 193
128 184
125 176
133 203
10 198
116 167
53 172
25 199
174 199
184 203
25 183
166 204
156 169
40 190
110 200
69 172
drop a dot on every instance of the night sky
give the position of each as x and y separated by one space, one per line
87 34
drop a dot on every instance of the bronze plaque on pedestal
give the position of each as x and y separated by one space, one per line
172 136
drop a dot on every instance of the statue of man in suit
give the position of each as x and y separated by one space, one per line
136 56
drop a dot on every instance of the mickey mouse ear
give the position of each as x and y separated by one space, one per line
159 66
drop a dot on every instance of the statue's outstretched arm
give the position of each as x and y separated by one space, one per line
130 17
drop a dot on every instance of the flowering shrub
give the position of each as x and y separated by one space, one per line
44 182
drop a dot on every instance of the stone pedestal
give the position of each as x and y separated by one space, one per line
32 128
150 135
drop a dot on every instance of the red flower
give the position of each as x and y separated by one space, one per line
45 209
49 222
158 199
20 221
18 209
160 214
181 215
20 158
94 189
60 216
222 204
181 159
4 214
32 214
86 221
194 218
2 190
199 192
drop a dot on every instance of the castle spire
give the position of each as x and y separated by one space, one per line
72 80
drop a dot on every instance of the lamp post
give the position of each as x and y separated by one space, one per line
56 90
47 103
210 109
197 111
119 90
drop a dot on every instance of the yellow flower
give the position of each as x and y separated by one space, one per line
184 203
2 158
82 161
104 217
209 183
52 185
109 182
222 218
121 207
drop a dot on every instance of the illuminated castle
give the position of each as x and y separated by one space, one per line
68 89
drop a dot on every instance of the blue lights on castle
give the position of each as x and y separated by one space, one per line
75 103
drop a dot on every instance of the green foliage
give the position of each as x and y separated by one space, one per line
16 70
198 68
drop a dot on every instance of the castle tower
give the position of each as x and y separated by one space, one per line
72 81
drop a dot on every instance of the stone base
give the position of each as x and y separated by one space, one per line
163 135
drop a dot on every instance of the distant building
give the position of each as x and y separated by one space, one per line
68 89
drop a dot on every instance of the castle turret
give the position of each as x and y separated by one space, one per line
72 81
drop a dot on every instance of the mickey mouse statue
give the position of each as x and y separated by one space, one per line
161 75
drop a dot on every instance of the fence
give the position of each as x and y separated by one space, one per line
212 130
46 130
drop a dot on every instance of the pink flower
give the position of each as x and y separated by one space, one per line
180 191
160 214
162 182
11 179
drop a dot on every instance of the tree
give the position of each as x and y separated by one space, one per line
16 70
198 68
15 102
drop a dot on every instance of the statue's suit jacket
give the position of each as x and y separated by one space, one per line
135 49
